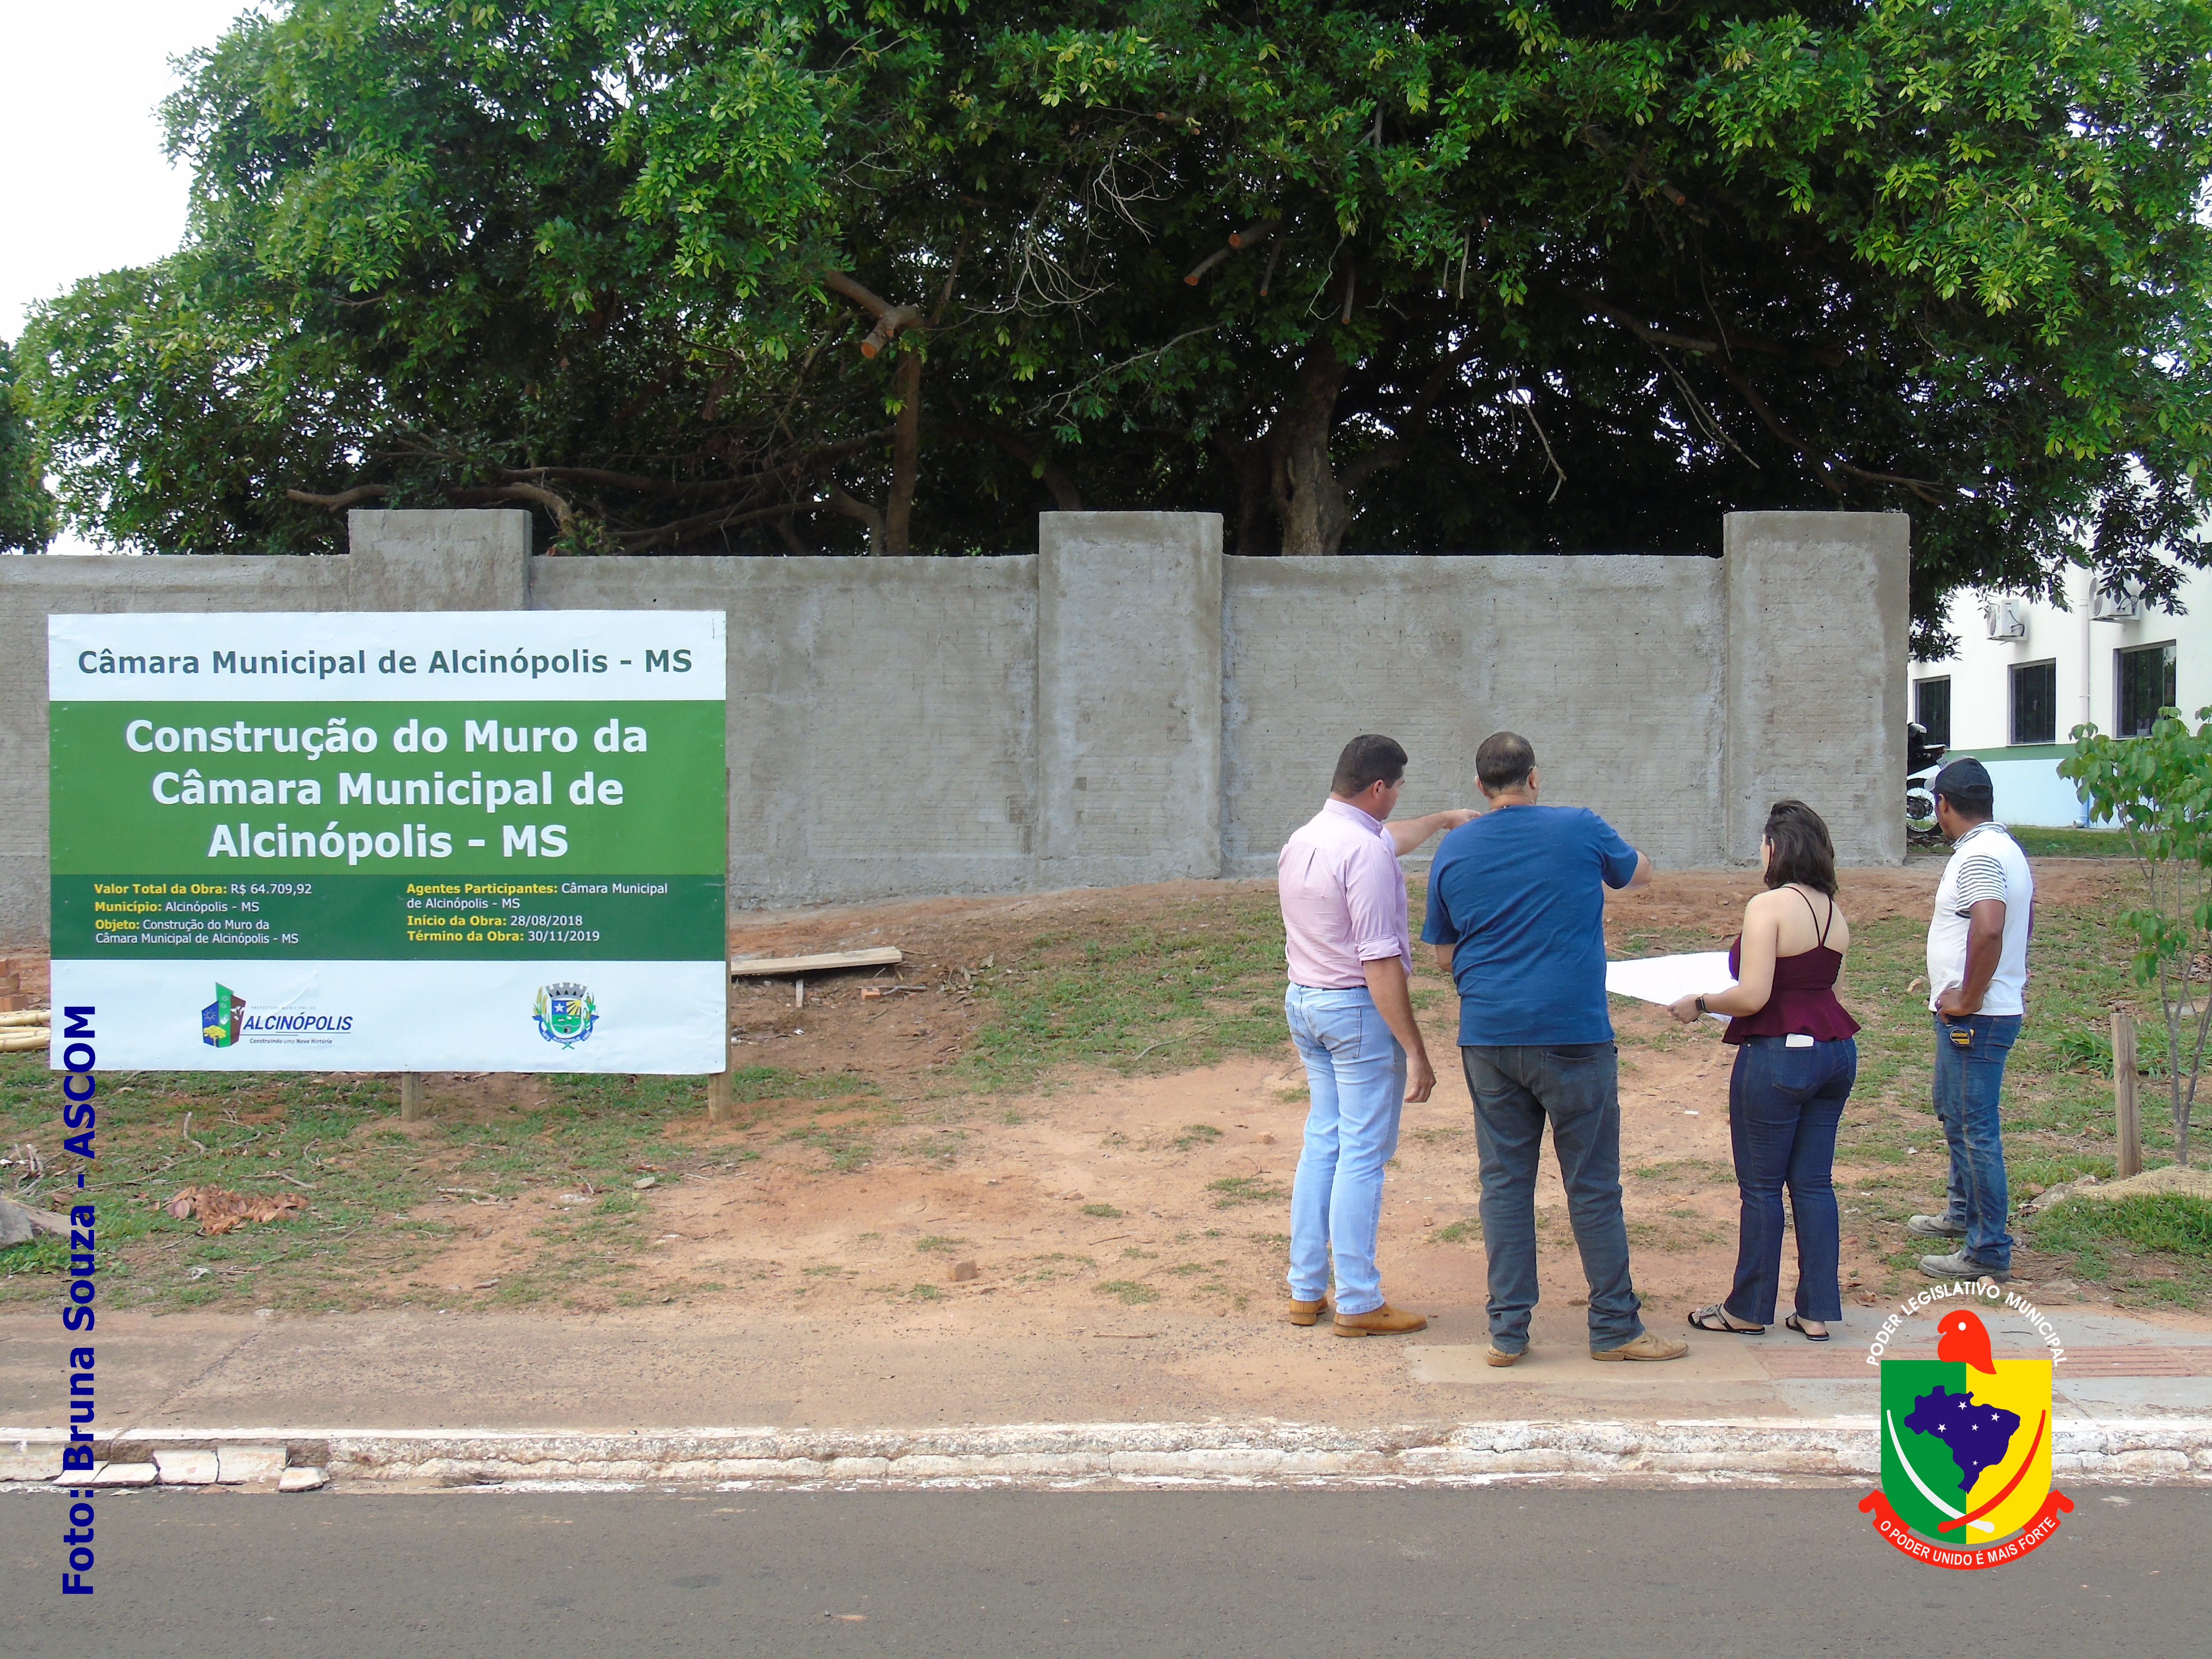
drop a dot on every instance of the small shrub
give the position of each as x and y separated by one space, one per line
1103 1212
2086 1051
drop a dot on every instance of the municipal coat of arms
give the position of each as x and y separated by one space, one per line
566 1014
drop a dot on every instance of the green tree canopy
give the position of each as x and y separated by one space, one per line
27 511
694 274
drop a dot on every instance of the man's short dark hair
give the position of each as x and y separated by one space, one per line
1503 762
1367 759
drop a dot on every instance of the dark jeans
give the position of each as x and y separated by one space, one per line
1784 1106
1969 1076
1577 1086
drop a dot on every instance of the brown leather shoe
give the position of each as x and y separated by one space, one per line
1385 1321
1646 1346
1307 1313
1497 1355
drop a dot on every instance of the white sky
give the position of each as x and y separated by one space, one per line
84 187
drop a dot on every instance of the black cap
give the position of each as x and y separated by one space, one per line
1966 782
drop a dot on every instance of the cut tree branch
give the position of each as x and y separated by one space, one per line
556 505
889 319
342 500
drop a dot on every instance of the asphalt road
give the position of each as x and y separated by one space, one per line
1538 1574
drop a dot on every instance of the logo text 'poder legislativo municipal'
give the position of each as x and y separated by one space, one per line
1965 1450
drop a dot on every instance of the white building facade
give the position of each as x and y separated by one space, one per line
2026 673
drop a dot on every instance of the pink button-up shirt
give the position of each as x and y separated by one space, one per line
1344 898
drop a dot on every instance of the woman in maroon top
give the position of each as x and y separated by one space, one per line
1795 1066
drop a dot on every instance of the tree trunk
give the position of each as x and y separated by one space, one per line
906 454
1309 502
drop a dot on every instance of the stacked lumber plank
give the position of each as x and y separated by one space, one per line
25 1029
880 956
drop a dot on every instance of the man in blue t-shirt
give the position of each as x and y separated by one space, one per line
1517 913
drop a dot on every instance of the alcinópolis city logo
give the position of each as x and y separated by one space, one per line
222 1020
1965 1442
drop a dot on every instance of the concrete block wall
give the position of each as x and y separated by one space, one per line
1127 705
1612 667
883 715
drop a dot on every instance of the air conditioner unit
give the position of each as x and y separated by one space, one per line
2008 618
2123 606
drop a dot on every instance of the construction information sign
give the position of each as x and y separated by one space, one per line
438 841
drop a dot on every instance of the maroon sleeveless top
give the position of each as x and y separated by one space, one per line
1803 1000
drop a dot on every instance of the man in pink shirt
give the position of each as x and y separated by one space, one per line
1352 1017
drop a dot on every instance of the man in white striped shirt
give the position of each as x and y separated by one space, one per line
1976 985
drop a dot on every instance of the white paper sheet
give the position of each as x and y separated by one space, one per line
1667 979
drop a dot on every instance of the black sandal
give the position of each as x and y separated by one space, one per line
1797 1324
1715 1318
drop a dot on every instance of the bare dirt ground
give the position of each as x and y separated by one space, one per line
1098 1192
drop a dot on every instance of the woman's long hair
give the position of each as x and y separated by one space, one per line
1802 851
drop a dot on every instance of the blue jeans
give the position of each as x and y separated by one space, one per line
1968 1077
1784 1106
1355 1074
1578 1087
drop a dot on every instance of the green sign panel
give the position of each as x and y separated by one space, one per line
372 842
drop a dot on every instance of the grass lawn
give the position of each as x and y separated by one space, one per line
1184 989
1183 986
2070 843
338 1142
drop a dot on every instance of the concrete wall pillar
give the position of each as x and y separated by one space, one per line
436 559
1818 613
1128 697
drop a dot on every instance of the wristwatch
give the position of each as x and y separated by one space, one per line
1701 1005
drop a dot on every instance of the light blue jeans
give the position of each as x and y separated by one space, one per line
1355 1074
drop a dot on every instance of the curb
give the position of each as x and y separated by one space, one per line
2121 1451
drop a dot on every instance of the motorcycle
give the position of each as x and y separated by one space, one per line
1923 759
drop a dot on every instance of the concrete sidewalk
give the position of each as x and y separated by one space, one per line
425 1396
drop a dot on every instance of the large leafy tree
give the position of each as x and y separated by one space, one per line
679 274
27 511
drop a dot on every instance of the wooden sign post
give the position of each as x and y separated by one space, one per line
2128 1126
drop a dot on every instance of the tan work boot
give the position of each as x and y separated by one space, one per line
1385 1321
1307 1313
1646 1346
1497 1356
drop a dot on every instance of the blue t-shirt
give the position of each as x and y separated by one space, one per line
1516 891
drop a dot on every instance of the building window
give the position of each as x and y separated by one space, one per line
2035 702
1931 706
2146 677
